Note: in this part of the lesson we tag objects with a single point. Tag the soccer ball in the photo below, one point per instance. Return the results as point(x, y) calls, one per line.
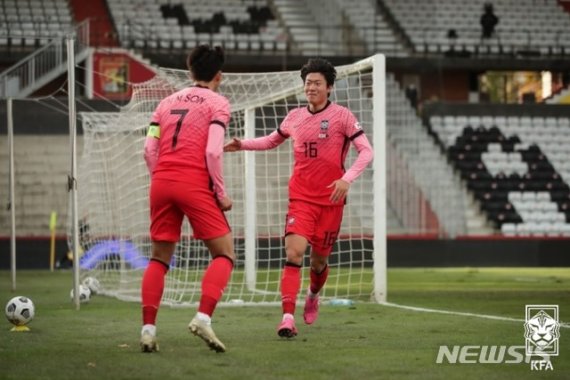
point(93, 284)
point(84, 294)
point(20, 310)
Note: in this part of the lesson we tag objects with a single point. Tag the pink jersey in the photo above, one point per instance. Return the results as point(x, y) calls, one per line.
point(184, 119)
point(320, 143)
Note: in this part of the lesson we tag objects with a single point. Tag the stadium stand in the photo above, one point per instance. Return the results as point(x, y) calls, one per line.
point(28, 23)
point(516, 167)
point(521, 27)
point(306, 28)
point(155, 24)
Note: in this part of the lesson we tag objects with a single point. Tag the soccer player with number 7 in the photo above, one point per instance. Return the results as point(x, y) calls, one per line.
point(321, 132)
point(183, 152)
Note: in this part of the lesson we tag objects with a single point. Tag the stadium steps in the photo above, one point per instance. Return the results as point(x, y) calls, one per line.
point(477, 222)
point(312, 32)
point(373, 26)
point(425, 163)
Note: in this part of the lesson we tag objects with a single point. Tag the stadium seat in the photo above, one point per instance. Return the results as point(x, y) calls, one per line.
point(227, 23)
point(514, 180)
point(427, 24)
point(29, 24)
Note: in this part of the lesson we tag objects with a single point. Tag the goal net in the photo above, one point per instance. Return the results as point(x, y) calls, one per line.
point(113, 183)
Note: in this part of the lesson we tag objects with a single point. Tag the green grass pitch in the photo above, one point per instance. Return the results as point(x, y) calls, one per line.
point(363, 341)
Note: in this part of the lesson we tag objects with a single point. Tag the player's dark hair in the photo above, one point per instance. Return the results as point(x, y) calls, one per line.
point(319, 65)
point(205, 61)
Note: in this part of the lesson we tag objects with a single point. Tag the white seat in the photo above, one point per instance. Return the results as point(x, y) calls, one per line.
point(523, 229)
point(529, 196)
point(474, 121)
point(564, 229)
point(509, 229)
point(494, 147)
point(545, 228)
point(500, 121)
point(515, 196)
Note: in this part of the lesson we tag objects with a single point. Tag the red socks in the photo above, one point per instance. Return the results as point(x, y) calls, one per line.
point(290, 285)
point(152, 289)
point(318, 279)
point(214, 282)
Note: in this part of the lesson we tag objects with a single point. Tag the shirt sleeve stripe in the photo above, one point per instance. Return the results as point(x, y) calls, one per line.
point(281, 133)
point(218, 123)
point(356, 135)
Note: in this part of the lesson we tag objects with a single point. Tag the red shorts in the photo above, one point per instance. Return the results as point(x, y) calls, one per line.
point(320, 225)
point(170, 201)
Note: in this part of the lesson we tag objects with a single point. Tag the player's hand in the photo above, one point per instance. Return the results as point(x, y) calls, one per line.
point(233, 146)
point(340, 190)
point(225, 204)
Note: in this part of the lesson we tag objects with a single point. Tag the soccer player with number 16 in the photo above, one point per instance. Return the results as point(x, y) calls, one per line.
point(321, 133)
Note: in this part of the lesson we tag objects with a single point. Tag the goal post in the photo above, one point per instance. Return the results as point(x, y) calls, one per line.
point(113, 188)
point(250, 203)
point(379, 177)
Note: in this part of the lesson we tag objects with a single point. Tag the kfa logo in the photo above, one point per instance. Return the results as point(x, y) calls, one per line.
point(324, 133)
point(542, 334)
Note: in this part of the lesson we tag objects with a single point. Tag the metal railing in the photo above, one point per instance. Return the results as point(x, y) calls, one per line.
point(43, 65)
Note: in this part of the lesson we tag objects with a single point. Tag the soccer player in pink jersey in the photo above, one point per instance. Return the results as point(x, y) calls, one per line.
point(321, 132)
point(183, 152)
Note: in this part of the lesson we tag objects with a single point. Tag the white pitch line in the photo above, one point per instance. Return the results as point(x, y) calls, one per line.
point(463, 314)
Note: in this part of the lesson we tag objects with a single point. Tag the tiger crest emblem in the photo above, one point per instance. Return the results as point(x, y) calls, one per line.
point(542, 331)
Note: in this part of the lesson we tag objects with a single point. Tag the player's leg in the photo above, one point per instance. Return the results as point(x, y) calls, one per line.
point(214, 282)
point(151, 292)
point(218, 272)
point(210, 225)
point(295, 247)
point(166, 220)
point(299, 224)
point(318, 274)
point(323, 242)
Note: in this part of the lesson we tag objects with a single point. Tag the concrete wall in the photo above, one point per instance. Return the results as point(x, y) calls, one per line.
point(42, 164)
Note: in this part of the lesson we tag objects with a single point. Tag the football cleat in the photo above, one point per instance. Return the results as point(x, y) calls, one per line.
point(148, 342)
point(204, 331)
point(287, 329)
point(311, 311)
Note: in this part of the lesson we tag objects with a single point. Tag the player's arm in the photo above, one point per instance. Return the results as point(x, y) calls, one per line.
point(365, 156)
point(270, 141)
point(214, 162)
point(151, 145)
